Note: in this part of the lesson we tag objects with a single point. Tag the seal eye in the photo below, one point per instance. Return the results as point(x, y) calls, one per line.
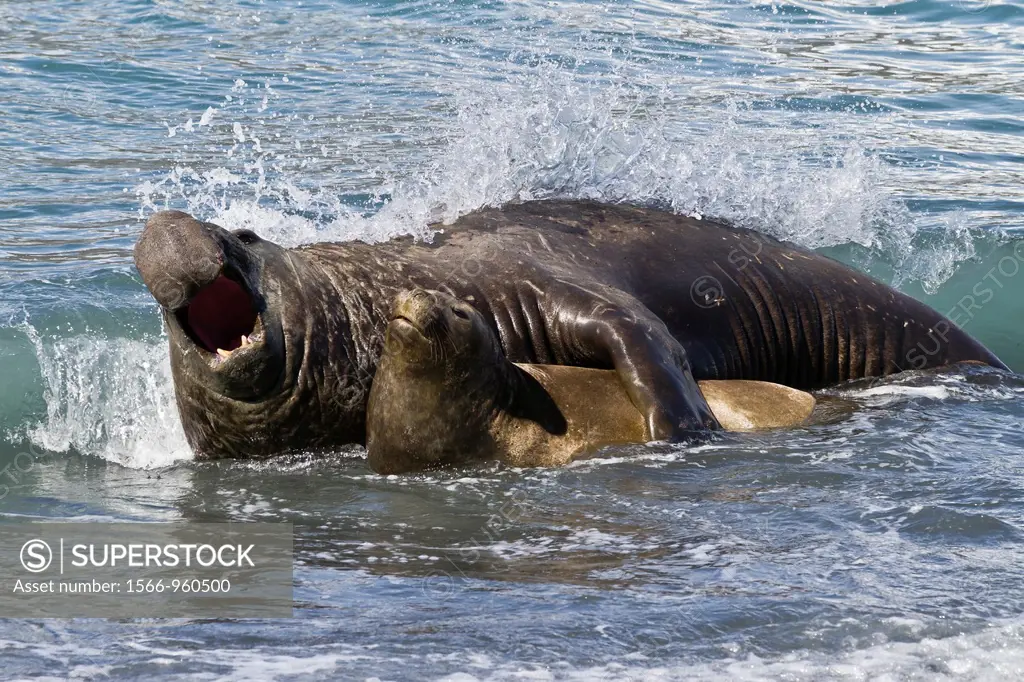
point(460, 313)
point(247, 236)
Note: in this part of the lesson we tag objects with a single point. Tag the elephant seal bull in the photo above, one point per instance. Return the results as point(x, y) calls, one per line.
point(274, 349)
point(445, 394)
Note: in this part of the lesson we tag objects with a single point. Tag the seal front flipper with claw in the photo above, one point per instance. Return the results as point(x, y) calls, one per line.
point(607, 327)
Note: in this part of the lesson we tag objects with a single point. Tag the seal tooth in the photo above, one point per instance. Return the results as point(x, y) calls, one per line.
point(223, 353)
point(245, 341)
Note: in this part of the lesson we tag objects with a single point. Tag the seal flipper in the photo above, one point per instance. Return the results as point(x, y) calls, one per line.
point(606, 326)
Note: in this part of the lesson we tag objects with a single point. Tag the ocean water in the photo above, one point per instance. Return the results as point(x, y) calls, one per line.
point(883, 545)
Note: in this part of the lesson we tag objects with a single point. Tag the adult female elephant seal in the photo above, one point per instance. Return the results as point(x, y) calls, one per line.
point(273, 349)
point(445, 394)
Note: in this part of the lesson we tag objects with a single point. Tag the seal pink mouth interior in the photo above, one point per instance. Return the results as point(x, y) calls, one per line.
point(220, 314)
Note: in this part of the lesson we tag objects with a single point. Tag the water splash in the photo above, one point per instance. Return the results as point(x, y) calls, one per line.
point(551, 133)
point(111, 398)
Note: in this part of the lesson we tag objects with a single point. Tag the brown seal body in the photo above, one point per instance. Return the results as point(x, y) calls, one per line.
point(275, 349)
point(445, 394)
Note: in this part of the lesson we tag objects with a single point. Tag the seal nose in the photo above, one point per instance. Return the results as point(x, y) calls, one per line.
point(177, 256)
point(418, 306)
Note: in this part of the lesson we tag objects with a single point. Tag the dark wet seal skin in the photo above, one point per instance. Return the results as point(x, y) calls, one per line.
point(445, 395)
point(662, 299)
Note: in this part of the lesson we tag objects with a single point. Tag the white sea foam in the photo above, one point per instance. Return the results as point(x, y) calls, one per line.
point(933, 392)
point(588, 540)
point(994, 654)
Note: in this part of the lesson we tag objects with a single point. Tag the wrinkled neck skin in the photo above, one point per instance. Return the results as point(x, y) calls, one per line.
point(322, 335)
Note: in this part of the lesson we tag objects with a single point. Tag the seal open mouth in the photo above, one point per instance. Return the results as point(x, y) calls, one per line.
point(221, 317)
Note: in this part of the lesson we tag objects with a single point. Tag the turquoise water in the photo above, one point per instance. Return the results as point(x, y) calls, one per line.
point(887, 543)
